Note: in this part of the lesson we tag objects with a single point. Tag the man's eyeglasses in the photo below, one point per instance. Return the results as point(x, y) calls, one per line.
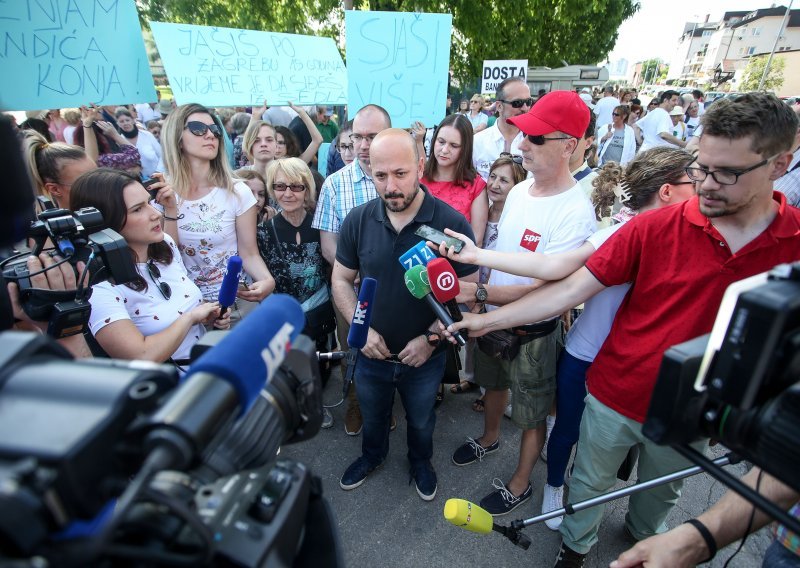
point(516, 158)
point(200, 128)
point(518, 103)
point(358, 138)
point(155, 274)
point(294, 187)
point(540, 140)
point(345, 147)
point(722, 177)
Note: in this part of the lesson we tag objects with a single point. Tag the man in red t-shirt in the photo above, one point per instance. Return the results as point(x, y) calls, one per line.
point(679, 260)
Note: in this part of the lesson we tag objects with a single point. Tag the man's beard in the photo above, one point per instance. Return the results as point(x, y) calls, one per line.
point(404, 204)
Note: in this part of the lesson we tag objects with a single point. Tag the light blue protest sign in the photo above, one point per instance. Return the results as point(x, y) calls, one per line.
point(58, 53)
point(228, 67)
point(400, 61)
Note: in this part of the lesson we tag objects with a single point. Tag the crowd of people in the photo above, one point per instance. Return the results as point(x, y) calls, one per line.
point(566, 199)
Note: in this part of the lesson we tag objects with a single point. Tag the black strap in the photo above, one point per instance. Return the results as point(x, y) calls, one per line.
point(711, 544)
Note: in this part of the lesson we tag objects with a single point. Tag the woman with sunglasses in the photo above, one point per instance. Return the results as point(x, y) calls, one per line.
point(618, 140)
point(291, 248)
point(212, 216)
point(160, 315)
point(451, 176)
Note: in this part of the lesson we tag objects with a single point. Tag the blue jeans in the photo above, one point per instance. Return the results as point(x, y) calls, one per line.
point(376, 382)
point(778, 556)
point(571, 390)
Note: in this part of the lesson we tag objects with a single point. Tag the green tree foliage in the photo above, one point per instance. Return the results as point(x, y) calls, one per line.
point(755, 69)
point(544, 32)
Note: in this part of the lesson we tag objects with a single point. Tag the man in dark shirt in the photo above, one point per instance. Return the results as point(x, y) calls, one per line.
point(403, 328)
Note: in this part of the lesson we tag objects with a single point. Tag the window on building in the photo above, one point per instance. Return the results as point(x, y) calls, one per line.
point(756, 31)
point(707, 33)
point(751, 50)
point(741, 51)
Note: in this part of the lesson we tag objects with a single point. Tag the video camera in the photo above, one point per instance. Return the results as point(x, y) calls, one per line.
point(77, 236)
point(740, 384)
point(114, 463)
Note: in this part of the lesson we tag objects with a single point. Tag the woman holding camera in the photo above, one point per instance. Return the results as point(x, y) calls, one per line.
point(213, 217)
point(158, 316)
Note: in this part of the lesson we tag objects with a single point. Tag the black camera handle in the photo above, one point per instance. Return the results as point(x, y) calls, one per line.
point(758, 500)
point(513, 531)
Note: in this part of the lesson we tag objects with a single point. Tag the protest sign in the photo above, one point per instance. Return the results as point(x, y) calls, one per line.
point(496, 71)
point(400, 61)
point(57, 54)
point(229, 67)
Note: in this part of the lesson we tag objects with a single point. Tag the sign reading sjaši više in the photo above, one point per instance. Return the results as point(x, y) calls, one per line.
point(57, 54)
point(229, 67)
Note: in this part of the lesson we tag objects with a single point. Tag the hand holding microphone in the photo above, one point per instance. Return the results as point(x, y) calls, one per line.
point(416, 279)
point(230, 282)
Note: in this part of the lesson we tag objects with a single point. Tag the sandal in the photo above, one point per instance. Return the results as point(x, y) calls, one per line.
point(478, 405)
point(462, 387)
point(439, 396)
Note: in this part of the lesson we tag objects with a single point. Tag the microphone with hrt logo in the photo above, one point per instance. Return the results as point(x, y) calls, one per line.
point(359, 329)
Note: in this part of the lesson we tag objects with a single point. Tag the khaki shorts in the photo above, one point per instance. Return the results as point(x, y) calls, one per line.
point(531, 376)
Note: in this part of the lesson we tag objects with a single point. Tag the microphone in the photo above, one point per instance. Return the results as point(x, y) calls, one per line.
point(331, 355)
point(416, 255)
point(444, 285)
point(468, 516)
point(226, 380)
point(359, 329)
point(227, 291)
point(416, 279)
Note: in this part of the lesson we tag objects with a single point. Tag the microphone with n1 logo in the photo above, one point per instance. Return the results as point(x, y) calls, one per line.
point(417, 255)
point(359, 328)
point(230, 282)
point(444, 285)
point(416, 279)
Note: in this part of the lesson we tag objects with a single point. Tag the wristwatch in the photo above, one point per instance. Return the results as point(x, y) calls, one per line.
point(432, 337)
point(481, 294)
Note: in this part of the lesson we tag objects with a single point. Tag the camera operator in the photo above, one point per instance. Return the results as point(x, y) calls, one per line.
point(44, 277)
point(726, 521)
point(680, 261)
point(160, 315)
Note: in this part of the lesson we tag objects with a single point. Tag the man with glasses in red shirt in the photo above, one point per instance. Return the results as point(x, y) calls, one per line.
point(513, 98)
point(680, 260)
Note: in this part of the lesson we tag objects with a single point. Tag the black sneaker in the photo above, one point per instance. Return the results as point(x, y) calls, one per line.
point(425, 478)
point(357, 473)
point(472, 451)
point(568, 558)
point(503, 501)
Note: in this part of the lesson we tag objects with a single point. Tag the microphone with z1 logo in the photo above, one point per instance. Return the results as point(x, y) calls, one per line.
point(417, 255)
point(444, 285)
point(359, 328)
point(416, 280)
point(230, 282)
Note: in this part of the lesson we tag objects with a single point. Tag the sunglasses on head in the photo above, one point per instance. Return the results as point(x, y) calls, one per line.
point(516, 158)
point(519, 103)
point(200, 128)
point(540, 140)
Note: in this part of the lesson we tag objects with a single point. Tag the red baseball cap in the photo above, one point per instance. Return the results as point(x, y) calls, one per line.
point(564, 111)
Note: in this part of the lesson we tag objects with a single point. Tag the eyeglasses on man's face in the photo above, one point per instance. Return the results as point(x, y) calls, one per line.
point(723, 176)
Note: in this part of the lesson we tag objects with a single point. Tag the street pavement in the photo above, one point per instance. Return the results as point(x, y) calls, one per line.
point(385, 523)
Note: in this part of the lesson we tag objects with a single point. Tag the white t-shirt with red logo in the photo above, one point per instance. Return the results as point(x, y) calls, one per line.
point(552, 224)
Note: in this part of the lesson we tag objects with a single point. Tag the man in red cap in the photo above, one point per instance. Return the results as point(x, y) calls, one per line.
point(549, 214)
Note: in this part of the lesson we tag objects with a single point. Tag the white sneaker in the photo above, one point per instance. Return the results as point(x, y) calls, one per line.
point(551, 422)
point(552, 499)
point(507, 411)
point(327, 418)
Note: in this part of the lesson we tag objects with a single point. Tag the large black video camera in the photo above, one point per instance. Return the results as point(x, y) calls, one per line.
point(77, 436)
point(76, 236)
point(740, 384)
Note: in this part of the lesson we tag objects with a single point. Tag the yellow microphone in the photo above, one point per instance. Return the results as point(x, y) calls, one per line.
point(468, 516)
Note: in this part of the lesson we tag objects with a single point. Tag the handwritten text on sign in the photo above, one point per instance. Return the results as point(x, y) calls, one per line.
point(227, 67)
point(400, 61)
point(66, 53)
